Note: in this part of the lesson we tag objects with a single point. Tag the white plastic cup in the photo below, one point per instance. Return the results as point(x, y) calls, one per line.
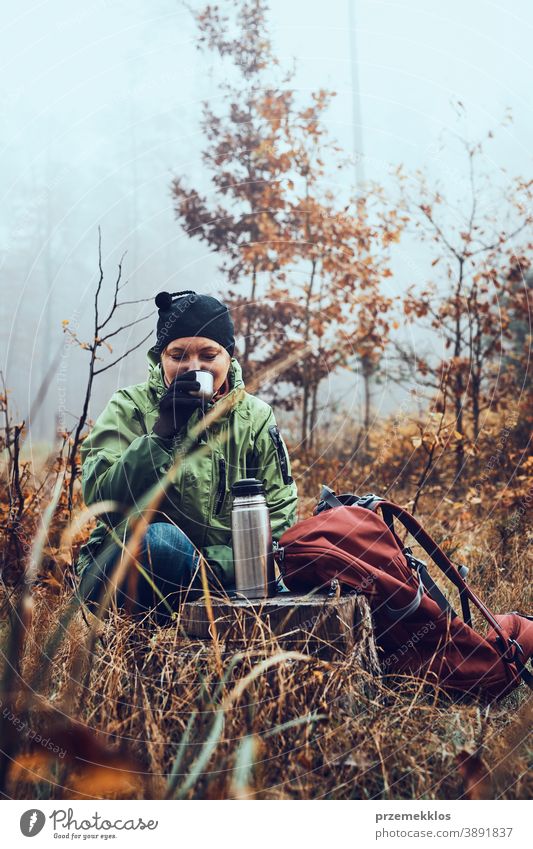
point(205, 379)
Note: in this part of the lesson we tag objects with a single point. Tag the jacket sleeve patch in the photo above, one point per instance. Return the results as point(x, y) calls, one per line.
point(282, 455)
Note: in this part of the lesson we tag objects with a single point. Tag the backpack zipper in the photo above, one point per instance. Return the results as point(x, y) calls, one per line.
point(340, 556)
point(221, 492)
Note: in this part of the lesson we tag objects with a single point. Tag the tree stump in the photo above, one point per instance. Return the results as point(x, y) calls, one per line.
point(327, 626)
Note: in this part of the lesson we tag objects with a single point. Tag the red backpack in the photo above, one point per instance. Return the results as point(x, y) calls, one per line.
point(415, 625)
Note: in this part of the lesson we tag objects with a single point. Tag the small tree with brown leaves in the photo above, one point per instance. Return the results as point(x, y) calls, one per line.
point(480, 251)
point(274, 221)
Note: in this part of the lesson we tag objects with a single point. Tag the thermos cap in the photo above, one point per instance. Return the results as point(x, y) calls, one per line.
point(247, 486)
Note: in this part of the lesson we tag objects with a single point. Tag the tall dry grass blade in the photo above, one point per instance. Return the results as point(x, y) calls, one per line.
point(245, 761)
point(32, 567)
point(54, 642)
point(79, 520)
point(210, 616)
point(180, 754)
point(308, 719)
point(12, 683)
point(22, 615)
point(198, 766)
point(148, 503)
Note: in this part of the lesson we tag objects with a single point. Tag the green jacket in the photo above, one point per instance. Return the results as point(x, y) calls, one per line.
point(122, 458)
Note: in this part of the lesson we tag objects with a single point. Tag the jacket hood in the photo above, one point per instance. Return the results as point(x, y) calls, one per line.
point(156, 381)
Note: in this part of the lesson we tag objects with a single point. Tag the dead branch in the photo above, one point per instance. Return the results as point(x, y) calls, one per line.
point(97, 341)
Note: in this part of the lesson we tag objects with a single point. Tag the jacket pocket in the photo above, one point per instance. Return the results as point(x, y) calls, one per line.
point(282, 456)
point(221, 489)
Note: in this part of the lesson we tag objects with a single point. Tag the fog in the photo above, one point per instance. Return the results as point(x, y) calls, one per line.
point(101, 103)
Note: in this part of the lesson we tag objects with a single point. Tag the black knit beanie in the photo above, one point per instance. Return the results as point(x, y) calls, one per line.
point(188, 313)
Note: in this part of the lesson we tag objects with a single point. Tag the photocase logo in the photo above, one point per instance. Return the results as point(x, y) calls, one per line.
point(32, 822)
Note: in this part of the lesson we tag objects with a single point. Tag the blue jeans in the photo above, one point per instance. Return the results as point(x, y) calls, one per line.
point(168, 557)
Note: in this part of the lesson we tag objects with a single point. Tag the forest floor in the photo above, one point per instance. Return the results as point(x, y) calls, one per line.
point(142, 711)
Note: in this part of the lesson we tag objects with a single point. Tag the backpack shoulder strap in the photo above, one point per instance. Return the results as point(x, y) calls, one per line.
point(438, 556)
point(510, 649)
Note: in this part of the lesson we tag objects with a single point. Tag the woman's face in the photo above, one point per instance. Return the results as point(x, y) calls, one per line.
point(196, 353)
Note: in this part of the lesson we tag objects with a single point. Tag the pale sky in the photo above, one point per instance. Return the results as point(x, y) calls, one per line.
point(100, 106)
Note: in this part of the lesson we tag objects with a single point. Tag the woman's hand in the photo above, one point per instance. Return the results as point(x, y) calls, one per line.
point(177, 405)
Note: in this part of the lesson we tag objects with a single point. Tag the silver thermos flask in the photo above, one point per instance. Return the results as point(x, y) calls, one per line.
point(251, 531)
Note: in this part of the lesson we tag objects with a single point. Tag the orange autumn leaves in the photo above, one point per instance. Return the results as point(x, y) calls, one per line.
point(87, 767)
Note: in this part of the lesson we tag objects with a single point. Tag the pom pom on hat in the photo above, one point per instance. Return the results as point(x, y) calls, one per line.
point(163, 301)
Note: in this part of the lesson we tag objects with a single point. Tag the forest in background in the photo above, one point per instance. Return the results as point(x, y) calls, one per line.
point(311, 290)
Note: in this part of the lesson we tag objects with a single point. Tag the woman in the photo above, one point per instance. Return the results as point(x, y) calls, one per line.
point(135, 441)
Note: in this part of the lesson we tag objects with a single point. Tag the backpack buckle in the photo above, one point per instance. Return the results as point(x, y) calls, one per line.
point(516, 649)
point(370, 501)
point(463, 571)
point(414, 562)
point(334, 588)
point(328, 499)
point(279, 552)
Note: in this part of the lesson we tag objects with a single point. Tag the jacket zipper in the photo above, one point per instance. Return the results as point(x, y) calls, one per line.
point(221, 493)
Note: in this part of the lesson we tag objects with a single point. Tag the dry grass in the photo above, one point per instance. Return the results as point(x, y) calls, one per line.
point(292, 727)
point(145, 712)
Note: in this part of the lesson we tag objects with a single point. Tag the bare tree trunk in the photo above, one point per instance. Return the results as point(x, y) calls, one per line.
point(368, 398)
point(477, 373)
point(246, 354)
point(312, 428)
point(458, 381)
point(305, 376)
point(11, 444)
point(367, 370)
